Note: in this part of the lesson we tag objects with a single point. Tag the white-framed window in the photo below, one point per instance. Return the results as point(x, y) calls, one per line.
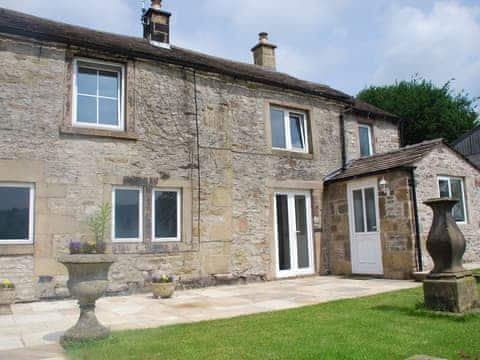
point(16, 213)
point(366, 143)
point(453, 187)
point(127, 214)
point(166, 215)
point(289, 129)
point(98, 94)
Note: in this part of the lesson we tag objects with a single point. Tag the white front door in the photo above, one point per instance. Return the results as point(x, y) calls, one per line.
point(365, 243)
point(293, 233)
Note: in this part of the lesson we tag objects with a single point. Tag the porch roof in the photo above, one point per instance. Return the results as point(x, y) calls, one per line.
point(405, 157)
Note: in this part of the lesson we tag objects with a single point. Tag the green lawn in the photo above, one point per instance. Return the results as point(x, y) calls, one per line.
point(388, 326)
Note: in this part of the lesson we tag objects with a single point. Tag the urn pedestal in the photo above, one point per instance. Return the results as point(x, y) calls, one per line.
point(87, 282)
point(449, 287)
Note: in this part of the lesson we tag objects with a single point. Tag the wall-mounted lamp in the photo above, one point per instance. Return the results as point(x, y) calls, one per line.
point(384, 186)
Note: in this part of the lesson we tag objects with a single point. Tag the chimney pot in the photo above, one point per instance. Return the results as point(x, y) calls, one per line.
point(156, 4)
point(263, 37)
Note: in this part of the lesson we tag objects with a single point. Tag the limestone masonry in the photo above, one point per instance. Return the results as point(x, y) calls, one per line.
point(209, 135)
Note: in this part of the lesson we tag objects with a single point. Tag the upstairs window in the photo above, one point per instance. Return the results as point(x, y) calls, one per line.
point(453, 188)
point(16, 213)
point(289, 130)
point(98, 96)
point(366, 144)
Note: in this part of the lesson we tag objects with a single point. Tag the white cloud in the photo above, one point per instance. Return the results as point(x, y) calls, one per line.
point(439, 44)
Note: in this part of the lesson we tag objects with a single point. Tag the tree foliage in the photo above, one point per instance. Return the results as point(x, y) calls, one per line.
point(427, 111)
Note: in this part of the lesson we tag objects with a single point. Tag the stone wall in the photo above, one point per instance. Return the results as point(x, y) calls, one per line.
point(396, 227)
point(19, 270)
point(386, 136)
point(228, 224)
point(443, 161)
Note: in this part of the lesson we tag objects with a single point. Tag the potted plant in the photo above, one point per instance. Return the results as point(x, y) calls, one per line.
point(163, 286)
point(88, 267)
point(7, 297)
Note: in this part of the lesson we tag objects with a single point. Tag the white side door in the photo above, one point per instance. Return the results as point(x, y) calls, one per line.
point(365, 242)
point(293, 234)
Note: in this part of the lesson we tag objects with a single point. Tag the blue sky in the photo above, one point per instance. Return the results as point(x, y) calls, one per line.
point(347, 44)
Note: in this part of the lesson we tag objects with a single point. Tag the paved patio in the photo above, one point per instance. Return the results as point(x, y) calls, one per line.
point(34, 329)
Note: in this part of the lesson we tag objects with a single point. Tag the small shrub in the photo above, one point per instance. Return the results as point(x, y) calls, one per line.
point(98, 224)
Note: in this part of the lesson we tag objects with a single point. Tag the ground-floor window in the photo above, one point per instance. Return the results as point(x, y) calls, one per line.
point(454, 188)
point(16, 213)
point(127, 214)
point(166, 215)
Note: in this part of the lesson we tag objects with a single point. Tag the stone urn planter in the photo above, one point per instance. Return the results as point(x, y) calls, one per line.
point(163, 290)
point(449, 287)
point(88, 281)
point(7, 298)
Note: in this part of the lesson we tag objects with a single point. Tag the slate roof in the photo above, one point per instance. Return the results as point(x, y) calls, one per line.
point(466, 135)
point(404, 157)
point(17, 23)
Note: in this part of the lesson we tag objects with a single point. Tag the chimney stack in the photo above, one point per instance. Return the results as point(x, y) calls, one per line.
point(156, 25)
point(264, 52)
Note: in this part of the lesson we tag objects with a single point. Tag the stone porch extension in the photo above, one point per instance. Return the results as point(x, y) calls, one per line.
point(34, 329)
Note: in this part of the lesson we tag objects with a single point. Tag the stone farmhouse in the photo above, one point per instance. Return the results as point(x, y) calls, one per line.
point(216, 171)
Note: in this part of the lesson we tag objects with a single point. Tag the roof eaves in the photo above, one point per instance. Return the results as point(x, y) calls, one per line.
point(370, 173)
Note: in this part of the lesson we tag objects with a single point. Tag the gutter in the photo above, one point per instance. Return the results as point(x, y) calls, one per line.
point(418, 246)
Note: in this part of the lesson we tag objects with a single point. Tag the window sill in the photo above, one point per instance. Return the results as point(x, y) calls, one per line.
point(123, 135)
point(292, 154)
point(16, 249)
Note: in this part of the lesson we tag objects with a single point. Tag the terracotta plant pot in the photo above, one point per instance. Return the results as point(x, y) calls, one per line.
point(88, 281)
point(7, 298)
point(163, 290)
